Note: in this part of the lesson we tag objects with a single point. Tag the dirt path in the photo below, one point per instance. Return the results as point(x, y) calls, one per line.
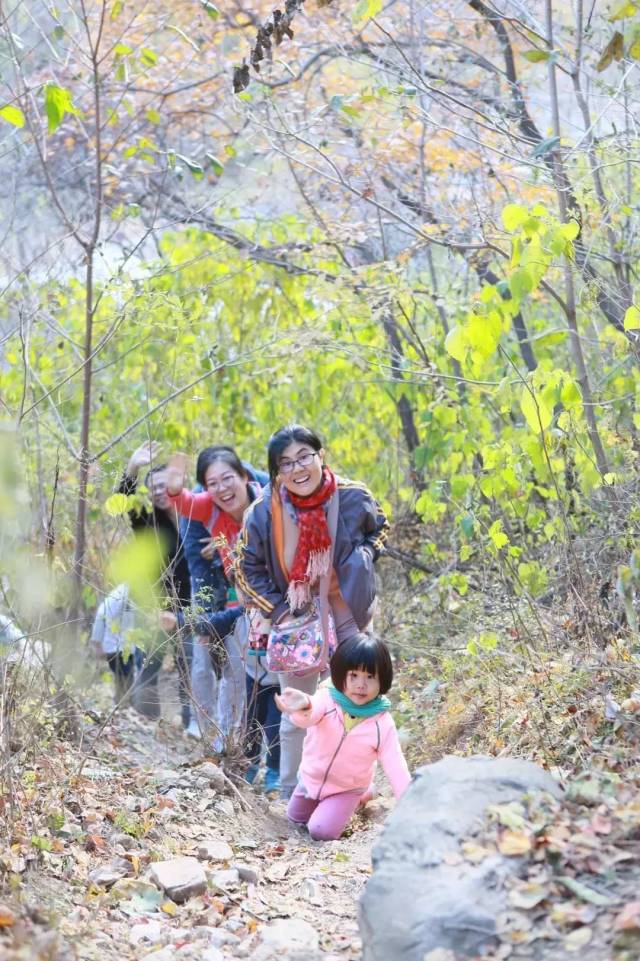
point(77, 868)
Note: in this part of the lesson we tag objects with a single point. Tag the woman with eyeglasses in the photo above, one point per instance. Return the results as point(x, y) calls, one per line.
point(286, 548)
point(229, 488)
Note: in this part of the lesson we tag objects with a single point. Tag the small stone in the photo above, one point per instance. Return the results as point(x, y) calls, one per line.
point(68, 831)
point(246, 873)
point(211, 954)
point(219, 937)
point(212, 850)
point(213, 775)
point(165, 954)
point(180, 878)
point(224, 806)
point(152, 932)
point(290, 934)
point(107, 875)
point(233, 924)
point(226, 878)
point(124, 840)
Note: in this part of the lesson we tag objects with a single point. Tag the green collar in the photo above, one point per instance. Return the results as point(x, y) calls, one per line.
point(377, 706)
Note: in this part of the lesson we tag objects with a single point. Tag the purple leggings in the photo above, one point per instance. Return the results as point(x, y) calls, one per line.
point(326, 819)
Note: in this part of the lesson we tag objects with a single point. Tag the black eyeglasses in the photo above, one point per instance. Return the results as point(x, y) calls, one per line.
point(286, 466)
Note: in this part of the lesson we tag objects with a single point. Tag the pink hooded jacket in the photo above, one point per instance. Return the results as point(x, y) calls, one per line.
point(334, 760)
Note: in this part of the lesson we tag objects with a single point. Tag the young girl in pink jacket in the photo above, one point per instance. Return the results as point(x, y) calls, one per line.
point(349, 729)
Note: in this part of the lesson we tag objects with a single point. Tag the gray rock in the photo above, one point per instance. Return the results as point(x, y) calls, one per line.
point(246, 873)
point(107, 874)
point(124, 840)
point(151, 931)
point(212, 850)
point(288, 937)
point(180, 878)
point(415, 902)
point(224, 806)
point(224, 879)
point(212, 774)
point(219, 937)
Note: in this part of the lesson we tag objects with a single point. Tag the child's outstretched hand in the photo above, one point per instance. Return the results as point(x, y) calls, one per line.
point(291, 700)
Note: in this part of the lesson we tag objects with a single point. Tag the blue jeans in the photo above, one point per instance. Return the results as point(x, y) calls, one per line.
point(263, 717)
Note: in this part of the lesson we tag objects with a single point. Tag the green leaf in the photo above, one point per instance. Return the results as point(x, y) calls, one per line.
point(456, 343)
point(497, 534)
point(12, 115)
point(472, 648)
point(536, 56)
point(365, 9)
point(623, 9)
point(57, 104)
point(467, 525)
point(586, 893)
point(116, 9)
point(513, 216)
point(210, 9)
point(545, 147)
point(536, 413)
point(191, 165)
point(632, 318)
point(570, 395)
point(116, 504)
point(488, 640)
point(148, 57)
point(520, 283)
point(218, 168)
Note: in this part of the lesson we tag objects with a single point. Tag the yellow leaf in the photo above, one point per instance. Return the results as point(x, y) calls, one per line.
point(475, 852)
point(168, 907)
point(514, 843)
point(578, 939)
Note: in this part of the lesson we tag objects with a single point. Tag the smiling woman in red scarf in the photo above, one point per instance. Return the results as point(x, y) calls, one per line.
point(286, 548)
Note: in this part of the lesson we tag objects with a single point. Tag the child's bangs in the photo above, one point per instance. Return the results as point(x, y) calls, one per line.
point(363, 657)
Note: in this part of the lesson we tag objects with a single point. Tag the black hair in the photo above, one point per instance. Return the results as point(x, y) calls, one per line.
point(280, 440)
point(222, 452)
point(154, 470)
point(362, 652)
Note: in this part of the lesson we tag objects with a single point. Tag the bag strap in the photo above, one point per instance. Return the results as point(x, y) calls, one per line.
point(332, 524)
point(325, 580)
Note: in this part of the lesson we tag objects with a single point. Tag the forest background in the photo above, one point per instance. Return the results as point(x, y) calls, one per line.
point(411, 225)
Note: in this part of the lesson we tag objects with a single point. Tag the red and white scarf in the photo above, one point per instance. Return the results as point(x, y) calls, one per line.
point(313, 553)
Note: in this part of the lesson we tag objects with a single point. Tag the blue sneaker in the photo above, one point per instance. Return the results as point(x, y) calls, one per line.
point(271, 780)
point(251, 773)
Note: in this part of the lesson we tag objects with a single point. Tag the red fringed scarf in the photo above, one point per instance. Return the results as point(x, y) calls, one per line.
point(313, 553)
point(225, 534)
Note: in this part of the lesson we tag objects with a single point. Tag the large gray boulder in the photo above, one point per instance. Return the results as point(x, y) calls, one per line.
point(415, 901)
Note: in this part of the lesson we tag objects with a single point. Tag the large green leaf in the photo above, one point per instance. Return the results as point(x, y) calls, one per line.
point(12, 115)
point(537, 414)
point(57, 104)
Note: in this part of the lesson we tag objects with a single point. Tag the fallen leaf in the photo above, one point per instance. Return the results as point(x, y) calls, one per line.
point(571, 913)
point(514, 843)
point(527, 896)
point(629, 917)
point(586, 893)
point(578, 939)
point(509, 815)
point(7, 917)
point(475, 852)
point(168, 907)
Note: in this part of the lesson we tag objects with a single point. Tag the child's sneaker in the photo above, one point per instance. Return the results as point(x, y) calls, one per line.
point(271, 780)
